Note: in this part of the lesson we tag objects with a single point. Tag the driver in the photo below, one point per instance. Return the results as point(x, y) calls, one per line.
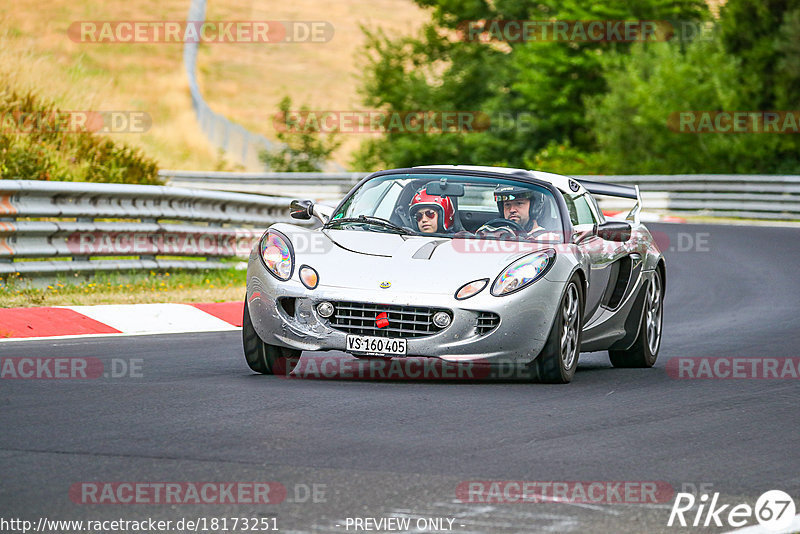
point(433, 214)
point(519, 205)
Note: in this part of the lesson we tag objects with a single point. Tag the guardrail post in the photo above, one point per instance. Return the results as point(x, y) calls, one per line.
point(77, 219)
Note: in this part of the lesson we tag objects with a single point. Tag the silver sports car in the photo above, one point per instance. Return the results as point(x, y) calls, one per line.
point(465, 264)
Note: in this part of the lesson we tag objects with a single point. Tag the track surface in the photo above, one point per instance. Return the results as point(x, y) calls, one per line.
point(400, 448)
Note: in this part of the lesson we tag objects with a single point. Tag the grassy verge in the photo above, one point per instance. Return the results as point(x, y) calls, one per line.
point(219, 285)
point(244, 81)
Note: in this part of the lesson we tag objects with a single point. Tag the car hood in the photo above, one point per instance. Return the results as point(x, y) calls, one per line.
point(359, 259)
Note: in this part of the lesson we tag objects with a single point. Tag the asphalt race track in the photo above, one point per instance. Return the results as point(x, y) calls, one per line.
point(354, 448)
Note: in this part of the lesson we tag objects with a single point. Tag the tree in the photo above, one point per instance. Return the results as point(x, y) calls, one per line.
point(551, 81)
point(725, 70)
point(764, 35)
point(303, 147)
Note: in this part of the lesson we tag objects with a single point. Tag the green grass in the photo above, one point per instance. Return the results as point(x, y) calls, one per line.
point(212, 285)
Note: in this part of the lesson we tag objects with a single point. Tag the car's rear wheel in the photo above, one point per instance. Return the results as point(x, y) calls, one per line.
point(262, 357)
point(644, 351)
point(559, 358)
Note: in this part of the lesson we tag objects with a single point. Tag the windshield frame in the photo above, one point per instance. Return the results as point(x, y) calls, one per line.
point(520, 176)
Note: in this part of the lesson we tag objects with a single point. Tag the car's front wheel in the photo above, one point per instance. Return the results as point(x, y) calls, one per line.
point(559, 358)
point(644, 351)
point(262, 357)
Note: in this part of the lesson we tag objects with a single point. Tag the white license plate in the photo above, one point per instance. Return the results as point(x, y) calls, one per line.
point(379, 346)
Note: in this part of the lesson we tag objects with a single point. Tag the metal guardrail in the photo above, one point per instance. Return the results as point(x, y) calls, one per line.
point(74, 225)
point(320, 186)
point(235, 139)
point(90, 227)
point(223, 133)
point(714, 195)
point(771, 197)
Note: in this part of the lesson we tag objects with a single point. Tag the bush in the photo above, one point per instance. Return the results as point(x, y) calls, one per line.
point(49, 154)
point(635, 122)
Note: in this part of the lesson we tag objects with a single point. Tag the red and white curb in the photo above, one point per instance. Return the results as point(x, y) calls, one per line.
point(118, 319)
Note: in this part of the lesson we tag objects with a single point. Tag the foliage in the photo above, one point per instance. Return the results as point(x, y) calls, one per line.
point(44, 150)
point(763, 34)
point(551, 81)
point(303, 146)
point(636, 122)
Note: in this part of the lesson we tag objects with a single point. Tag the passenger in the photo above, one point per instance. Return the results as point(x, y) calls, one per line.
point(434, 214)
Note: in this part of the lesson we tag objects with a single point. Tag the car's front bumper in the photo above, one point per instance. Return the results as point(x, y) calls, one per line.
point(526, 318)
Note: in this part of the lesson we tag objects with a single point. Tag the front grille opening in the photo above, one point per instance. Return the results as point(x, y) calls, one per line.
point(403, 321)
point(288, 305)
point(487, 321)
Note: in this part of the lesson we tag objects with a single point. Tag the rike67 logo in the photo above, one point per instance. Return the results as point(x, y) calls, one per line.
point(774, 510)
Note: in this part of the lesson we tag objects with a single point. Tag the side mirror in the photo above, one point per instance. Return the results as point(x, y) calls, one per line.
point(301, 209)
point(614, 231)
point(306, 209)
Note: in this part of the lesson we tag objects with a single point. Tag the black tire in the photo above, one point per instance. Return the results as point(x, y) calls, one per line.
point(262, 357)
point(558, 360)
point(644, 351)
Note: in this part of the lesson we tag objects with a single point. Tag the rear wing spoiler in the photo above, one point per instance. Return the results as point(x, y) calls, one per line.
point(615, 190)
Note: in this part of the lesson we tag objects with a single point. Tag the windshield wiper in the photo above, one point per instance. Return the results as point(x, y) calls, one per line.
point(376, 221)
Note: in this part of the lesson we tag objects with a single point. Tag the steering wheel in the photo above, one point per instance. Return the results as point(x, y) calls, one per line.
point(511, 226)
point(405, 220)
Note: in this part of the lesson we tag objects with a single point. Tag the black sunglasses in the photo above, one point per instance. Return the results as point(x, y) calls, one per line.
point(427, 213)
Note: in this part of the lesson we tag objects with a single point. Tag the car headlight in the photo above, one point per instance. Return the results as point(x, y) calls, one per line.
point(523, 272)
point(471, 288)
point(308, 276)
point(278, 255)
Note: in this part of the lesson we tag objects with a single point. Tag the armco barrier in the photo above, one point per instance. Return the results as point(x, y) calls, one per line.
point(713, 195)
point(770, 197)
point(72, 226)
point(236, 140)
point(323, 186)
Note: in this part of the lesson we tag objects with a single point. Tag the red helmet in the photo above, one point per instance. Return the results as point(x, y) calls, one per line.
point(442, 205)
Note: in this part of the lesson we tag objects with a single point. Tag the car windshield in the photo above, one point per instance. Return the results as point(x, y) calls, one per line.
point(446, 205)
